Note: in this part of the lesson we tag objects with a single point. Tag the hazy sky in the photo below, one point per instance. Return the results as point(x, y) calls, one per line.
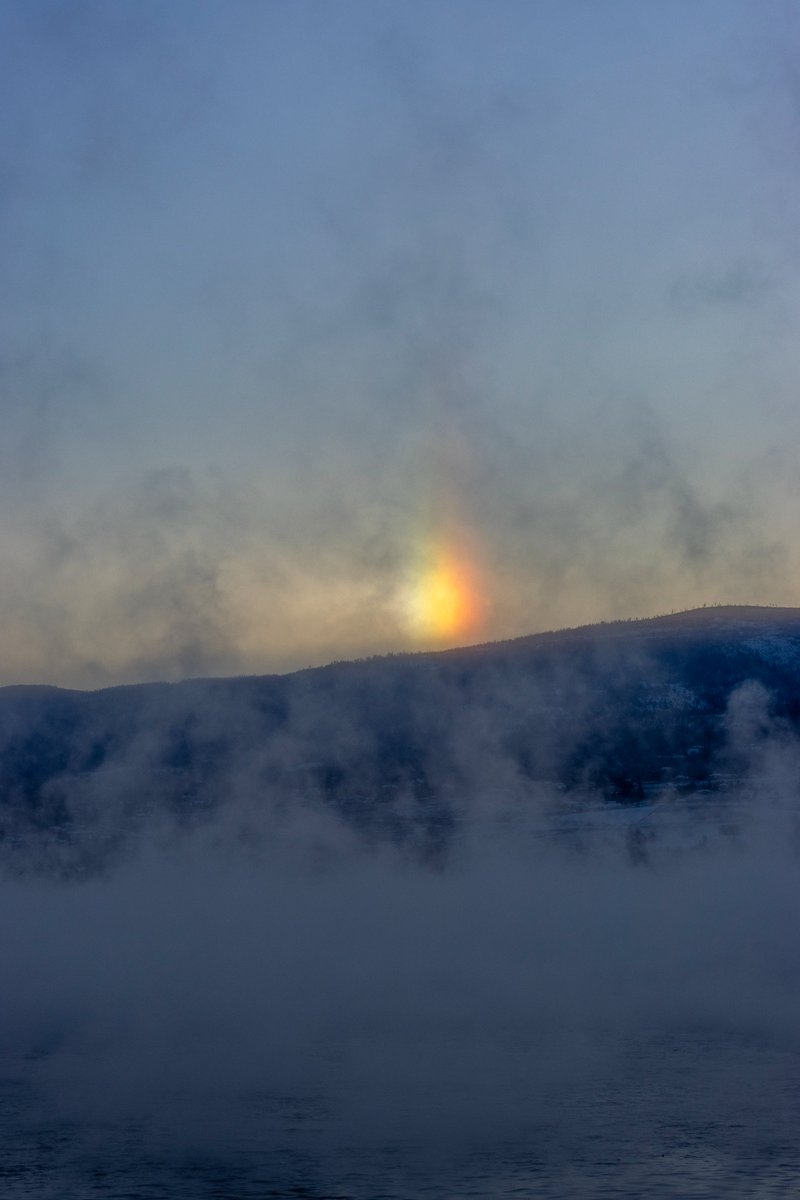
point(305, 303)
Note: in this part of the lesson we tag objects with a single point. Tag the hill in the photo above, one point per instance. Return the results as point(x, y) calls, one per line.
point(399, 748)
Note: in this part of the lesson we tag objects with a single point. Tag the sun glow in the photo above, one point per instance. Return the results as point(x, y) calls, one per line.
point(444, 602)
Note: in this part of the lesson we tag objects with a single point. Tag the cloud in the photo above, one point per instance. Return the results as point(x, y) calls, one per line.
point(182, 572)
point(741, 283)
point(374, 278)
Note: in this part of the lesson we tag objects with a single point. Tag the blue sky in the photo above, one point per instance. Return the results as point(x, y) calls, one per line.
point(288, 285)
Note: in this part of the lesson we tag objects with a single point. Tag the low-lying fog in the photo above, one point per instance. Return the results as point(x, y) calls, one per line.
point(442, 1008)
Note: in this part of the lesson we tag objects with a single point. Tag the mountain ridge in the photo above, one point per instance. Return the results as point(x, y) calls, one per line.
point(702, 618)
point(397, 748)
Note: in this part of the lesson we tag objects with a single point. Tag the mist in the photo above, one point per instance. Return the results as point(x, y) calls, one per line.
point(347, 349)
point(272, 990)
point(433, 1010)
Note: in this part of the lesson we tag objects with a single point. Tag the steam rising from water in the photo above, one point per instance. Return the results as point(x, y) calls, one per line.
point(580, 995)
point(434, 1008)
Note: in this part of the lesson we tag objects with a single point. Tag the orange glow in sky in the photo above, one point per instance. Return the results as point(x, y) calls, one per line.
point(444, 603)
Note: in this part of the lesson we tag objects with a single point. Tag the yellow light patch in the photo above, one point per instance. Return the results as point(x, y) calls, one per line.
point(444, 602)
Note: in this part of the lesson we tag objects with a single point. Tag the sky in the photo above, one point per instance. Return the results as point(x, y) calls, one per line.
point(334, 329)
